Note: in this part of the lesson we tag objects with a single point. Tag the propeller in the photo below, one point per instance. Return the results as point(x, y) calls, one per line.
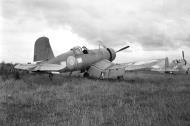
point(184, 57)
point(101, 43)
point(122, 49)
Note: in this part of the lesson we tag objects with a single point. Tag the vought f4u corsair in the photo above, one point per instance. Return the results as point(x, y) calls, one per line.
point(89, 62)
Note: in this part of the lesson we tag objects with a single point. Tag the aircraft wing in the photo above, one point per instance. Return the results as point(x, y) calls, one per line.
point(25, 66)
point(159, 65)
point(41, 67)
point(107, 69)
point(152, 65)
point(98, 68)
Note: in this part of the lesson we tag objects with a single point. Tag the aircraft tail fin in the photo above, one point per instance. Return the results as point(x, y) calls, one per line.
point(166, 62)
point(42, 49)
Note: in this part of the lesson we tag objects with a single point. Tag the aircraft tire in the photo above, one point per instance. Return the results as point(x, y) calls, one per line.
point(86, 75)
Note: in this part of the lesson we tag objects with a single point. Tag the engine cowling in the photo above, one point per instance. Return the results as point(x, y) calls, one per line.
point(112, 54)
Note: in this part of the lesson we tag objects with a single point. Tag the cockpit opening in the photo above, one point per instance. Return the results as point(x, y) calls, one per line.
point(84, 50)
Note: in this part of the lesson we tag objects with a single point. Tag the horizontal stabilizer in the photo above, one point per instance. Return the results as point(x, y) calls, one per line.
point(151, 65)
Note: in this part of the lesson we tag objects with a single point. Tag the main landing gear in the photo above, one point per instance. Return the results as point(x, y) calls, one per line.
point(51, 76)
point(187, 72)
point(86, 75)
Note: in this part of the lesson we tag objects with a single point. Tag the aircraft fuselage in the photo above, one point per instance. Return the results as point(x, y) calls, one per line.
point(80, 61)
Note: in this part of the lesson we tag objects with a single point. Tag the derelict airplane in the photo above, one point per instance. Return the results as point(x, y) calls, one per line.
point(96, 63)
point(77, 59)
point(178, 65)
point(161, 65)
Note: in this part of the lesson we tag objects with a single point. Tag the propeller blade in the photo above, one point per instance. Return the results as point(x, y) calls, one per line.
point(183, 55)
point(122, 49)
point(184, 58)
point(101, 43)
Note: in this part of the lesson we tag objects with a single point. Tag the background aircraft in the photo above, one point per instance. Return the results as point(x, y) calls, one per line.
point(179, 66)
point(161, 65)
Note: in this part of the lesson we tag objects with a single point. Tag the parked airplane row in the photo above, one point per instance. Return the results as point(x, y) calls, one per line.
point(96, 63)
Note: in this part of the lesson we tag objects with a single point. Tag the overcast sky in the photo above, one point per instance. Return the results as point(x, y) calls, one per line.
point(153, 28)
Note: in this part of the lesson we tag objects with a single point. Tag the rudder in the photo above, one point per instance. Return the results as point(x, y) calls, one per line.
point(166, 63)
point(42, 49)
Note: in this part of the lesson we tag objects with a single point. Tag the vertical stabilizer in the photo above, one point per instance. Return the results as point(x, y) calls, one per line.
point(166, 63)
point(42, 49)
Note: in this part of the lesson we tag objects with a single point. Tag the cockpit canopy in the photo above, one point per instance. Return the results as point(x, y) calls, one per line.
point(78, 50)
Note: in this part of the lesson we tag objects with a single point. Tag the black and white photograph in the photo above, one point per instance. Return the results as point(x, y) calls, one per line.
point(94, 63)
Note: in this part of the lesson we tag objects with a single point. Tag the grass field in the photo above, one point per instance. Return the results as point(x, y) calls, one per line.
point(141, 100)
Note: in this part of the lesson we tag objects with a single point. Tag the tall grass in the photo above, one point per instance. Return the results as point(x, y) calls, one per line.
point(142, 99)
point(7, 71)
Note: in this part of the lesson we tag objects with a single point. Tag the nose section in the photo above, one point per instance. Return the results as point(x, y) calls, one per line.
point(112, 53)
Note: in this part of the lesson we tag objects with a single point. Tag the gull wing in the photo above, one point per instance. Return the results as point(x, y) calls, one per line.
point(119, 70)
point(41, 67)
point(98, 68)
point(107, 69)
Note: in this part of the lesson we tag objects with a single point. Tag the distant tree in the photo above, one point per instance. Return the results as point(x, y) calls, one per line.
point(7, 70)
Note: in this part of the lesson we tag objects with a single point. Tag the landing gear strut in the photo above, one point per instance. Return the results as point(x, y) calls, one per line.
point(50, 76)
